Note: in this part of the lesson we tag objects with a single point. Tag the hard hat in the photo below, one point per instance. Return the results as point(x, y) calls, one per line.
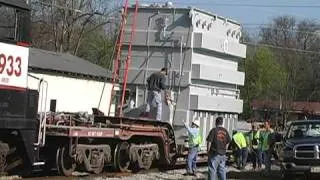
point(196, 122)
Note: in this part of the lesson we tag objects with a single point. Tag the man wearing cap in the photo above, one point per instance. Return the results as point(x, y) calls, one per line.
point(194, 142)
point(156, 83)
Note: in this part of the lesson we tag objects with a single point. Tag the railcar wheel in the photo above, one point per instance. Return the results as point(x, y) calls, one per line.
point(122, 157)
point(65, 164)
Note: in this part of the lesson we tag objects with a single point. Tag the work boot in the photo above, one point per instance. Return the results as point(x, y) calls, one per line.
point(188, 174)
point(145, 115)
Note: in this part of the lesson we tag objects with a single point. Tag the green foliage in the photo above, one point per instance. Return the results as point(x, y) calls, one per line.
point(289, 70)
point(265, 78)
point(98, 49)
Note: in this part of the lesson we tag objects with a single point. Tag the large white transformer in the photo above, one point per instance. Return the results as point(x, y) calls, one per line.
point(201, 51)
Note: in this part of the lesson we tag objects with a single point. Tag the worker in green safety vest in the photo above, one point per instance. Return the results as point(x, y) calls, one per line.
point(253, 145)
point(241, 149)
point(267, 142)
point(195, 141)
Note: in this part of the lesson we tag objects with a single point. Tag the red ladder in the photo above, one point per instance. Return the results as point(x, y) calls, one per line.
point(128, 59)
point(117, 63)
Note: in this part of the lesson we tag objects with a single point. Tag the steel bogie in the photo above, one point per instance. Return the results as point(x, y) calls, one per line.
point(93, 157)
point(132, 156)
point(144, 154)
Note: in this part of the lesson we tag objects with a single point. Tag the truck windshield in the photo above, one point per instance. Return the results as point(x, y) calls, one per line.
point(300, 130)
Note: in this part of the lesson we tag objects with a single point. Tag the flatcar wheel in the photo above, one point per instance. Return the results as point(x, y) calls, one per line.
point(121, 157)
point(65, 164)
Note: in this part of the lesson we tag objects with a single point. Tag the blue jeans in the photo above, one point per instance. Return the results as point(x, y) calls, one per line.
point(256, 157)
point(154, 100)
point(192, 160)
point(267, 159)
point(242, 156)
point(217, 166)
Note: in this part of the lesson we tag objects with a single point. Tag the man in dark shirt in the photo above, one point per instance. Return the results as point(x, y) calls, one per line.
point(217, 143)
point(156, 83)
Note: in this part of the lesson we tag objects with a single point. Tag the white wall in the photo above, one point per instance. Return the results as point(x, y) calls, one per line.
point(214, 61)
point(217, 74)
point(73, 94)
point(216, 103)
point(216, 26)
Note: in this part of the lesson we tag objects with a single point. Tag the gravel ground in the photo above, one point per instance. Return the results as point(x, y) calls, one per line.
point(176, 174)
point(201, 175)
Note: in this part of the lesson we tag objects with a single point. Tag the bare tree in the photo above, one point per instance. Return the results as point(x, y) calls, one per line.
point(301, 66)
point(61, 25)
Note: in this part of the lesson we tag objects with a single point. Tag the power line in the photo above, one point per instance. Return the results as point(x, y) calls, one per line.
point(282, 48)
point(240, 4)
point(268, 5)
point(288, 30)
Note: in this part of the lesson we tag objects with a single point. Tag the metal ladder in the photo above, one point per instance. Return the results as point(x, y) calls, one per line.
point(117, 63)
point(43, 92)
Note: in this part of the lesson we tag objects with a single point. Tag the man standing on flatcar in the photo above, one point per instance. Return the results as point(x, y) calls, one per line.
point(156, 84)
point(217, 144)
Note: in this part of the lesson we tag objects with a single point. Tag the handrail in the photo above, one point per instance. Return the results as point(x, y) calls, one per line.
point(43, 84)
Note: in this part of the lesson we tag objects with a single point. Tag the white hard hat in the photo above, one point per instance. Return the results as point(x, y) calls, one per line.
point(196, 122)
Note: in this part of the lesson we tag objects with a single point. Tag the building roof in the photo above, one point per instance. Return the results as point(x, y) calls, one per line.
point(65, 63)
point(16, 3)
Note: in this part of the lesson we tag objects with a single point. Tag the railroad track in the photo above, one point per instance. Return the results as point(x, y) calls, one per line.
point(155, 173)
point(177, 171)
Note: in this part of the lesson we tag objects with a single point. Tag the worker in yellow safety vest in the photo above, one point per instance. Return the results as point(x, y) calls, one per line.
point(267, 142)
point(253, 146)
point(241, 149)
point(194, 143)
